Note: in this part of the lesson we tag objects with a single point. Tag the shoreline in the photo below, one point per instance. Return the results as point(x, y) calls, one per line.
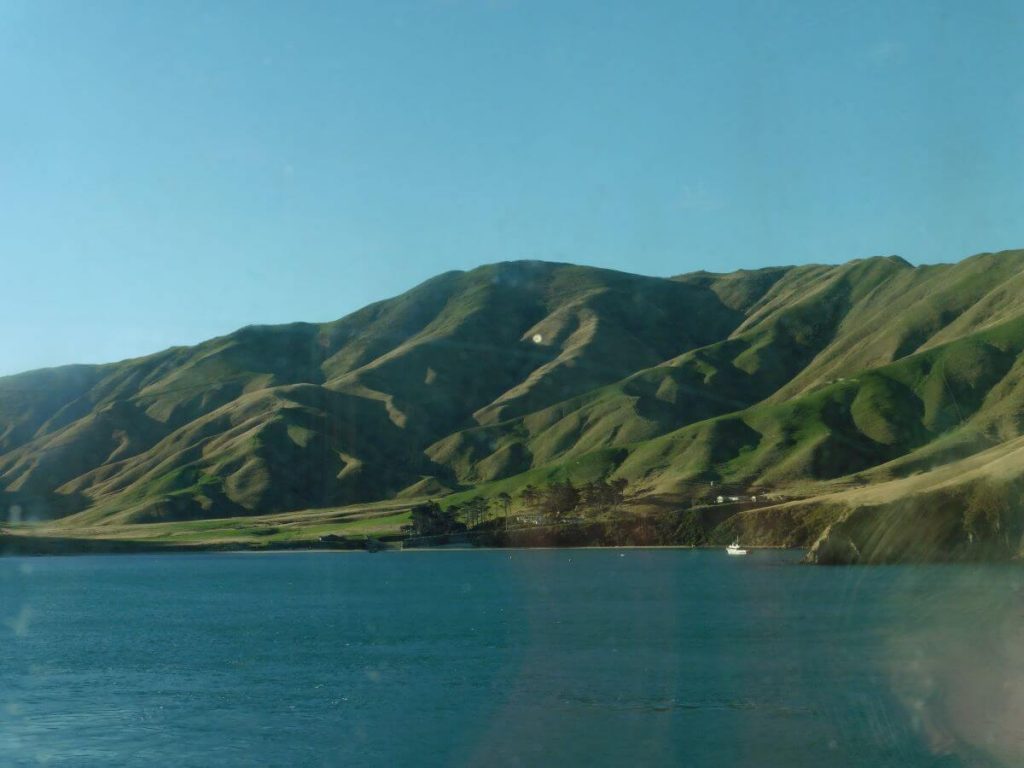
point(33, 547)
point(42, 546)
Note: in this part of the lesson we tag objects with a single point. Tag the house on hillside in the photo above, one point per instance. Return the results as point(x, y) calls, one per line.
point(534, 519)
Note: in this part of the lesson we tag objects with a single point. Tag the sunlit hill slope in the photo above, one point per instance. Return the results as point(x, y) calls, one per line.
point(875, 402)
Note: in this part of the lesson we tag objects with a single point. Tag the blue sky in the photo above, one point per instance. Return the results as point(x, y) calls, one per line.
point(172, 171)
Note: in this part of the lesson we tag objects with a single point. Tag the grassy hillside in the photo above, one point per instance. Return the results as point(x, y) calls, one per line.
point(796, 383)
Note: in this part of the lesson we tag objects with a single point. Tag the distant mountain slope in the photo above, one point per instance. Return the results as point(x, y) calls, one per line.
point(270, 418)
point(803, 380)
point(815, 325)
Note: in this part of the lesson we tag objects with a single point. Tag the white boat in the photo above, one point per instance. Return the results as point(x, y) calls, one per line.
point(734, 549)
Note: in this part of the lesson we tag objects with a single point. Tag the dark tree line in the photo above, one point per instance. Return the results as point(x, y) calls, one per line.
point(429, 519)
point(560, 499)
point(555, 502)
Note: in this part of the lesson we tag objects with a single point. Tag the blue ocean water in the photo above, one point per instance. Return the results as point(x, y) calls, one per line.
point(570, 657)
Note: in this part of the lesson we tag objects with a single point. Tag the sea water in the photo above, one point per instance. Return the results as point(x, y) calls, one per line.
point(507, 657)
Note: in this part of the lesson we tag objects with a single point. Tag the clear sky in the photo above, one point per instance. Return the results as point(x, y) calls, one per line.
point(170, 171)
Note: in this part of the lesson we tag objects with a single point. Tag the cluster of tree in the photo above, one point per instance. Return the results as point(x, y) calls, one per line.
point(555, 502)
point(560, 499)
point(429, 519)
point(473, 511)
point(476, 510)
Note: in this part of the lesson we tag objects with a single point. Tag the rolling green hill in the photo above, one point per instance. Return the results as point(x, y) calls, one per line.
point(855, 401)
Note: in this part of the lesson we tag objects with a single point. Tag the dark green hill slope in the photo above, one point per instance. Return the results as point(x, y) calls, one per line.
point(815, 326)
point(797, 381)
point(226, 426)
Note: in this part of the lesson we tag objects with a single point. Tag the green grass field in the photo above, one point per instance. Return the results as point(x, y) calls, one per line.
point(366, 520)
